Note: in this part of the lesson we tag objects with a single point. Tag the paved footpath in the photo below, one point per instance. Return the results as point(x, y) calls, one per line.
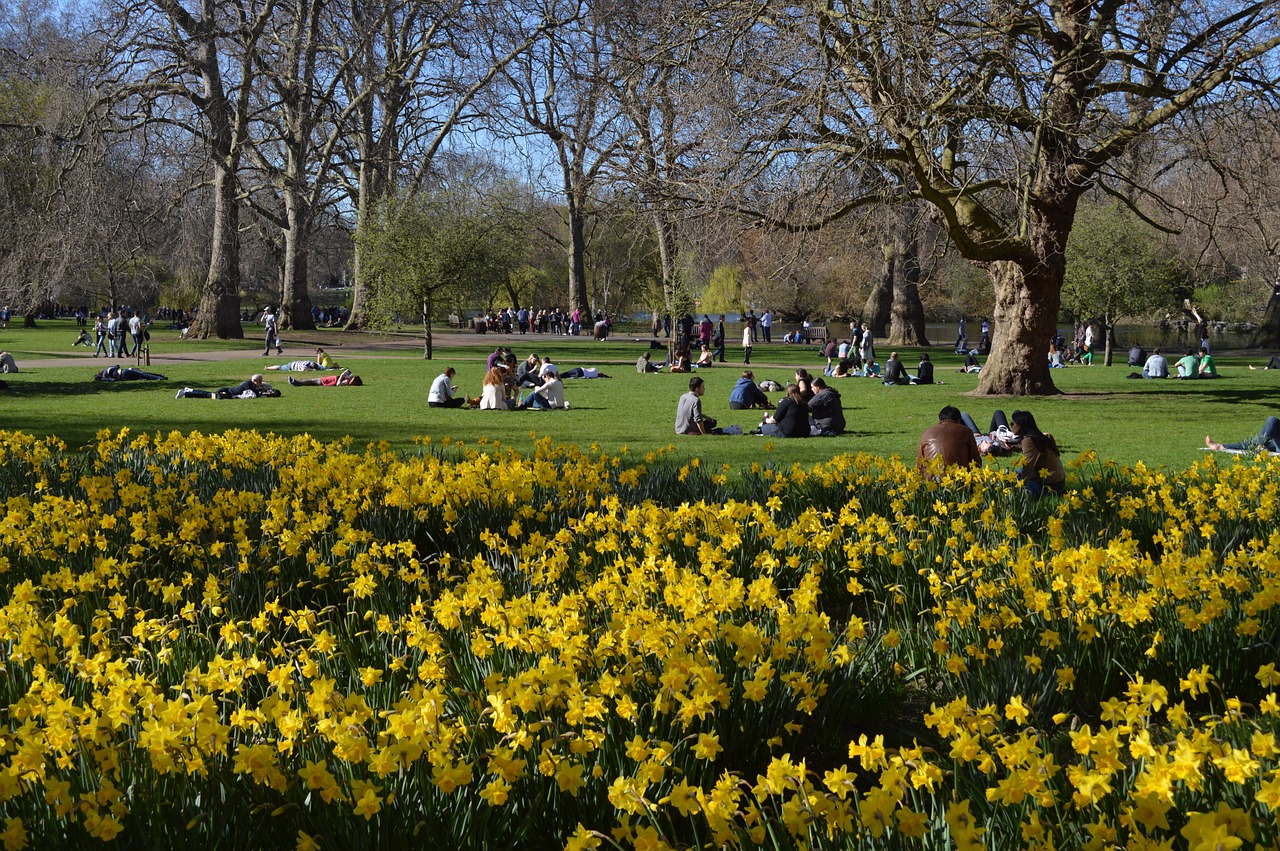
point(342, 346)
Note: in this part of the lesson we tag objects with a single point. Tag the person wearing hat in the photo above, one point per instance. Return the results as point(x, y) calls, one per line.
point(272, 331)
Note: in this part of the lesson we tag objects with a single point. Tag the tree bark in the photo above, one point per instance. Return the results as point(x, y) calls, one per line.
point(427, 341)
point(880, 302)
point(219, 313)
point(906, 318)
point(577, 222)
point(295, 296)
point(1268, 334)
point(1026, 314)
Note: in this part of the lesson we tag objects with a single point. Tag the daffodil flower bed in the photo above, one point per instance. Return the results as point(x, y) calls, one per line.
point(246, 641)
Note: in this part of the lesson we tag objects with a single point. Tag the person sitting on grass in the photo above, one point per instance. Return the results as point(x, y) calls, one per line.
point(682, 362)
point(971, 364)
point(82, 340)
point(254, 388)
point(924, 372)
point(493, 390)
point(825, 410)
point(1208, 366)
point(894, 371)
point(950, 440)
point(790, 418)
point(126, 373)
point(1157, 366)
point(1268, 440)
point(645, 366)
point(747, 394)
point(548, 397)
point(689, 416)
point(527, 372)
point(1189, 366)
point(1042, 468)
point(343, 379)
point(442, 390)
point(7, 363)
point(704, 357)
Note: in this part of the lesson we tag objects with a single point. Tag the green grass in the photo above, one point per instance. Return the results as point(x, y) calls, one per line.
point(1161, 423)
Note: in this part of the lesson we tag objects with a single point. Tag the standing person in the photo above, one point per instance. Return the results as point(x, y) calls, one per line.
point(866, 346)
point(689, 416)
point(950, 440)
point(442, 390)
point(1041, 461)
point(657, 323)
point(1087, 357)
point(960, 337)
point(271, 331)
point(718, 340)
point(748, 339)
point(100, 336)
point(136, 330)
point(766, 325)
point(705, 330)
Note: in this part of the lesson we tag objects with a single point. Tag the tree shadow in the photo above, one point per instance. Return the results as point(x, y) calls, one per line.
point(88, 387)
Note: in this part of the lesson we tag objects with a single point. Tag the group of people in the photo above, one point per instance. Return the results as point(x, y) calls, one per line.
point(1194, 364)
point(114, 333)
point(807, 408)
point(955, 440)
point(511, 385)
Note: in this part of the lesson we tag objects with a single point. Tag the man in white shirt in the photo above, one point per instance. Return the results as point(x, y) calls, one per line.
point(766, 325)
point(1156, 366)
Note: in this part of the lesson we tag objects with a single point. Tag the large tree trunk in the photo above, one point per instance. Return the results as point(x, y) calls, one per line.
point(1026, 315)
point(906, 318)
point(880, 302)
point(1268, 334)
point(219, 313)
point(295, 297)
point(577, 259)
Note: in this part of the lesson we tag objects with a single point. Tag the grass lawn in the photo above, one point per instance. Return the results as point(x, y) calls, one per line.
point(1160, 423)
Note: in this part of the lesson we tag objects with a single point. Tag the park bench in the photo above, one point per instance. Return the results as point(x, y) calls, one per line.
point(814, 333)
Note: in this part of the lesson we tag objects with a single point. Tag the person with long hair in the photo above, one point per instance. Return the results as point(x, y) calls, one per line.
point(1041, 461)
point(493, 390)
point(791, 418)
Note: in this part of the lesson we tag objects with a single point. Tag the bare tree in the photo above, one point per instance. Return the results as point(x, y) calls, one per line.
point(191, 66)
point(560, 90)
point(418, 69)
point(999, 115)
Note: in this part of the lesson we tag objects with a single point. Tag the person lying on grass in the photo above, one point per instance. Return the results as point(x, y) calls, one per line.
point(343, 379)
point(254, 388)
point(126, 373)
point(1268, 440)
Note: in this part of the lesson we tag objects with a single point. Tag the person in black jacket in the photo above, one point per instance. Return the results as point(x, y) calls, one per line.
point(826, 410)
point(924, 372)
point(791, 419)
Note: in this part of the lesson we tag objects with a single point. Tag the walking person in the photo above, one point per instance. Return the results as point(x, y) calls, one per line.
point(100, 337)
point(272, 331)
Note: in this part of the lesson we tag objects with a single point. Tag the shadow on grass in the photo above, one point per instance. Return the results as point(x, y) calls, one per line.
point(88, 387)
